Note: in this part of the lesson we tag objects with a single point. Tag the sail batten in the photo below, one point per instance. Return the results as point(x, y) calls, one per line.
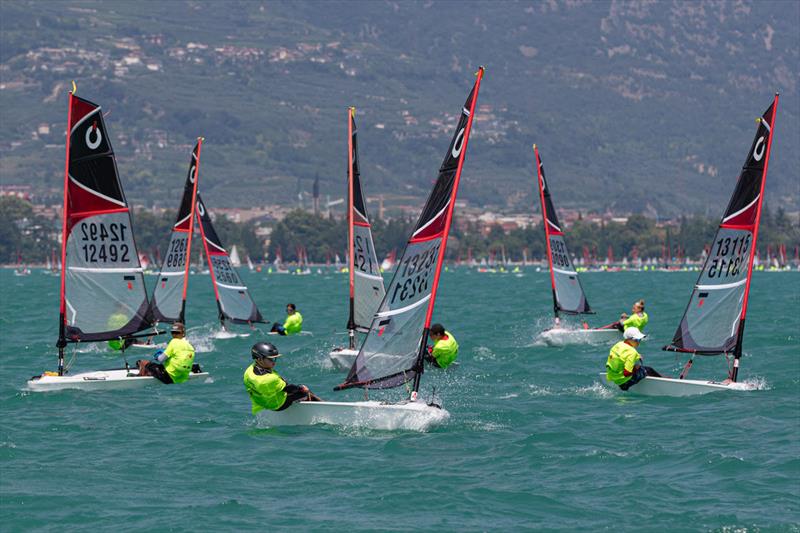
point(103, 294)
point(391, 353)
point(713, 322)
point(169, 294)
point(568, 294)
point(233, 299)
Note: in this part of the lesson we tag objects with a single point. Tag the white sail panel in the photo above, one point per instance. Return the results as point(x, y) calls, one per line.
point(233, 299)
point(393, 344)
point(368, 282)
point(168, 295)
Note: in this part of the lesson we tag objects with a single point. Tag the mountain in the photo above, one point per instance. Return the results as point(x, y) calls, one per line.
point(636, 106)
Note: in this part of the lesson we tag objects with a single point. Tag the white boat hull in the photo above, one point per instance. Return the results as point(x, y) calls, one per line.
point(343, 358)
point(652, 386)
point(568, 337)
point(144, 346)
point(99, 380)
point(225, 334)
point(409, 416)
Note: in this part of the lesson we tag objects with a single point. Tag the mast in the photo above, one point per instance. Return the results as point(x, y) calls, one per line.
point(737, 353)
point(448, 220)
point(540, 184)
point(62, 337)
point(351, 324)
point(191, 229)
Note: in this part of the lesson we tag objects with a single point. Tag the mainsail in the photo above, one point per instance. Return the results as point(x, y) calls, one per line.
point(233, 300)
point(568, 295)
point(169, 294)
point(103, 295)
point(713, 322)
point(366, 283)
point(392, 352)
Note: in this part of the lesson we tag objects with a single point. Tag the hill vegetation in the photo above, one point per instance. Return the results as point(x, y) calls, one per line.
point(636, 106)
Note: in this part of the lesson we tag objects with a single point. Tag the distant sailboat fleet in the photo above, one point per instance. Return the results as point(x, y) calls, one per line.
point(99, 256)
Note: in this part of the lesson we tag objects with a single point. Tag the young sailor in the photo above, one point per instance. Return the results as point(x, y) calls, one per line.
point(266, 388)
point(638, 318)
point(445, 348)
point(624, 366)
point(175, 362)
point(293, 324)
point(116, 321)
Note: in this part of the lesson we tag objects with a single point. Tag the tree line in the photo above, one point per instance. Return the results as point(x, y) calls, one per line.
point(30, 238)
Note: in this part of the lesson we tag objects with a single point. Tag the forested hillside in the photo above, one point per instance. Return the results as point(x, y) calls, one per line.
point(636, 106)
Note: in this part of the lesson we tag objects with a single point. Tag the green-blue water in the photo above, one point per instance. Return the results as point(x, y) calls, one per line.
point(534, 440)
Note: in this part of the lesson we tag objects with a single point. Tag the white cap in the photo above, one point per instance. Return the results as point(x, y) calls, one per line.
point(633, 334)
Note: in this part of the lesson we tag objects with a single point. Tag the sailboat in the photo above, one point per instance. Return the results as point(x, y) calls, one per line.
point(366, 283)
point(713, 322)
point(392, 353)
point(389, 261)
point(568, 295)
point(48, 268)
point(21, 269)
point(302, 262)
point(99, 255)
point(234, 302)
point(234, 257)
point(169, 294)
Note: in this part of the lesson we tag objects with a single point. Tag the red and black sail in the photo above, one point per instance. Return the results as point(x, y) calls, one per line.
point(713, 322)
point(366, 282)
point(103, 295)
point(169, 294)
point(233, 300)
point(392, 350)
point(568, 294)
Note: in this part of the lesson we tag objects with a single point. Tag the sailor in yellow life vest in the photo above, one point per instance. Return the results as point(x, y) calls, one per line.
point(175, 362)
point(293, 324)
point(266, 388)
point(638, 318)
point(445, 348)
point(624, 364)
point(116, 321)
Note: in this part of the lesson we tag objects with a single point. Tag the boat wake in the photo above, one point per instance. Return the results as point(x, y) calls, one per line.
point(754, 383)
point(483, 353)
point(595, 390)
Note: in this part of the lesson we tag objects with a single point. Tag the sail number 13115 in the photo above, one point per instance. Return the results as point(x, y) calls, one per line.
point(730, 256)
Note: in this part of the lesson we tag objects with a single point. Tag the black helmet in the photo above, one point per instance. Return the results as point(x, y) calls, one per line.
point(262, 350)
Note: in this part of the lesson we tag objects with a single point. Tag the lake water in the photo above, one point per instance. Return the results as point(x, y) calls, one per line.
point(534, 439)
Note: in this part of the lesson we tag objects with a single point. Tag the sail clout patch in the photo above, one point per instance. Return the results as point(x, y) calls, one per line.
point(701, 298)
